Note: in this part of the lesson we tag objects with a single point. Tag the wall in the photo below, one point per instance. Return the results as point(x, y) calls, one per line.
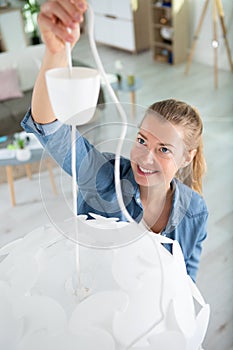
point(204, 52)
point(20, 2)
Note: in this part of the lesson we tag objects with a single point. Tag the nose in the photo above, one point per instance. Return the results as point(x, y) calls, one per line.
point(148, 157)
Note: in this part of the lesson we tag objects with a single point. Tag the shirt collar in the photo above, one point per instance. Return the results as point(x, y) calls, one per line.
point(180, 203)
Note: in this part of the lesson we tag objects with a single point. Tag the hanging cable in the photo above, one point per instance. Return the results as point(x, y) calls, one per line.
point(90, 23)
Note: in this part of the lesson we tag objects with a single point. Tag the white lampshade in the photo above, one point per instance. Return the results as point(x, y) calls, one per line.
point(138, 295)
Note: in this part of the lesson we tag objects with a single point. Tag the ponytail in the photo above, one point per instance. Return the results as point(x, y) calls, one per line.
point(199, 168)
point(193, 173)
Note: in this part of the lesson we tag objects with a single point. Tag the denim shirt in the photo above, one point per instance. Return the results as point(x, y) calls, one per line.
point(95, 177)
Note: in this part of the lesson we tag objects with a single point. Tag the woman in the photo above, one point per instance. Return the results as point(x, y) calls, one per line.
point(168, 147)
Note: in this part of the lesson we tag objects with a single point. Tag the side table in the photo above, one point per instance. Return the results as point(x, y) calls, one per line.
point(125, 87)
point(9, 163)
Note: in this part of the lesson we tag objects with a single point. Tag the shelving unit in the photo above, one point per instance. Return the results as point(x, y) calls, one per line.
point(169, 31)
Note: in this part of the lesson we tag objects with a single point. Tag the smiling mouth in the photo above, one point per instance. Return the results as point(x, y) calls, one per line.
point(144, 171)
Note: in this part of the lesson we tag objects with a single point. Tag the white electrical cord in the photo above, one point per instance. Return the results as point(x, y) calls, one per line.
point(90, 23)
point(73, 136)
point(74, 174)
point(68, 54)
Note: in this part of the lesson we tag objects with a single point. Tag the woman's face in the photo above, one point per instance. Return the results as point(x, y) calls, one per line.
point(157, 153)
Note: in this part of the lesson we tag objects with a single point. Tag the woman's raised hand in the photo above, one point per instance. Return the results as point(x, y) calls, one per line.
point(55, 17)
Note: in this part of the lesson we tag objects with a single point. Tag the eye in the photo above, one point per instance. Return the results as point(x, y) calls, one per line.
point(141, 141)
point(164, 150)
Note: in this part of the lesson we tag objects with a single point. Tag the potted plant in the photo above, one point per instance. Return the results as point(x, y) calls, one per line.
point(20, 145)
point(30, 10)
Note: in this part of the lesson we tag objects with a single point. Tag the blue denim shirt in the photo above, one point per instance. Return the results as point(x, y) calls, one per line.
point(95, 176)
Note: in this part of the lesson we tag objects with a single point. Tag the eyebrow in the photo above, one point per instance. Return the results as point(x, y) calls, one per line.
point(141, 134)
point(161, 143)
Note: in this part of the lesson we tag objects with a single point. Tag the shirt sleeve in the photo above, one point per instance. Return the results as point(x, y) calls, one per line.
point(39, 130)
point(192, 261)
point(55, 137)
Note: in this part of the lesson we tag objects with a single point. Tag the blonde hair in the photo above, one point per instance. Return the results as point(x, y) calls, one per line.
point(181, 114)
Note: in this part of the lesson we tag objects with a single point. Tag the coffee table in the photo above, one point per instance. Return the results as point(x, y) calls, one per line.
point(125, 87)
point(10, 161)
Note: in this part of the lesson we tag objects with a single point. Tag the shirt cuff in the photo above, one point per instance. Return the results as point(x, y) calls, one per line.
point(30, 126)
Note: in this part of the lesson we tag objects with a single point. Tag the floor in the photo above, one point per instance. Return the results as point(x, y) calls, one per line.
point(37, 205)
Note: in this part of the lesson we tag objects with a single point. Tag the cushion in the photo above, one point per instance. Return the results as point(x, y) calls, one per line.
point(9, 84)
point(27, 62)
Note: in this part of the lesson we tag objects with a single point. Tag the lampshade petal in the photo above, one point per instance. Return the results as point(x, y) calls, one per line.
point(20, 271)
point(98, 310)
point(42, 340)
point(40, 313)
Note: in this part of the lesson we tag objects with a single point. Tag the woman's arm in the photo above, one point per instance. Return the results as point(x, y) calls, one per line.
point(54, 19)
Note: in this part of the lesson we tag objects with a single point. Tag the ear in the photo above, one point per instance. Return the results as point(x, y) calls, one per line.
point(189, 157)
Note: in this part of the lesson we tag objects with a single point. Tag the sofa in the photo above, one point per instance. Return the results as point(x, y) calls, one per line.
point(18, 72)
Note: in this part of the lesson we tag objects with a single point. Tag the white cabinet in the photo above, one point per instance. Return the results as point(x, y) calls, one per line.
point(118, 25)
point(12, 35)
point(120, 8)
